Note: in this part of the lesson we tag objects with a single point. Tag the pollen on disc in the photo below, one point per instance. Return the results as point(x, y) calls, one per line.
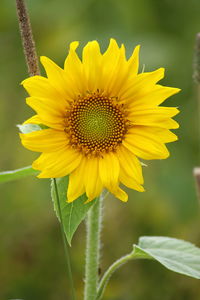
point(95, 124)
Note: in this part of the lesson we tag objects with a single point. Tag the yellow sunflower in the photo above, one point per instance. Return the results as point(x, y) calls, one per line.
point(102, 116)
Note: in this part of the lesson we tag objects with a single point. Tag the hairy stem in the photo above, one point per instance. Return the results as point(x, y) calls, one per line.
point(116, 265)
point(109, 273)
point(27, 38)
point(93, 226)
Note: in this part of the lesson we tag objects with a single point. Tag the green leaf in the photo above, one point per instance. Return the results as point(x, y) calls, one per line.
point(27, 171)
point(17, 174)
point(6, 176)
point(176, 255)
point(72, 213)
point(27, 128)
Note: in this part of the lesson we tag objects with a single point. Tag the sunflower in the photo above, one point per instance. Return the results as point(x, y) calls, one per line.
point(101, 117)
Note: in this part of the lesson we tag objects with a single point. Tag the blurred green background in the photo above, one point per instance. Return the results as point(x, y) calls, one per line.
point(32, 264)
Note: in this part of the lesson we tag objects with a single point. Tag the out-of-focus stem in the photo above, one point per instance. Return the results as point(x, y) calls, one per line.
point(196, 77)
point(196, 173)
point(196, 73)
point(27, 38)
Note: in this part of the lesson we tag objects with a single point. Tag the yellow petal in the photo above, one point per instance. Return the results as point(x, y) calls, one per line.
point(145, 143)
point(74, 70)
point(46, 140)
point(160, 111)
point(109, 170)
point(117, 70)
point(166, 123)
point(110, 55)
point(111, 66)
point(76, 184)
point(163, 135)
point(50, 113)
point(57, 164)
point(72, 58)
point(130, 164)
point(120, 194)
point(38, 86)
point(56, 77)
point(167, 136)
point(148, 98)
point(133, 62)
point(110, 61)
point(157, 116)
point(118, 75)
point(140, 84)
point(109, 175)
point(33, 120)
point(92, 59)
point(129, 181)
point(92, 182)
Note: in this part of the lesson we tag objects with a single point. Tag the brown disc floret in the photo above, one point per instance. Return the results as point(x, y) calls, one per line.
point(96, 124)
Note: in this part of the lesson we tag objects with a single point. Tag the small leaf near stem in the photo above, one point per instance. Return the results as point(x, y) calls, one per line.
point(73, 213)
point(7, 176)
point(69, 271)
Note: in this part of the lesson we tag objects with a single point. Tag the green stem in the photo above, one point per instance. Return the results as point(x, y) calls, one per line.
point(117, 264)
point(93, 226)
point(110, 271)
point(66, 249)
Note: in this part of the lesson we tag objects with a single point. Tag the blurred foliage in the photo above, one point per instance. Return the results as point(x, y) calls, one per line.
point(31, 253)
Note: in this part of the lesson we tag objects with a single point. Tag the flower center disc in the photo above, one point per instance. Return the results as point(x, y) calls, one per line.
point(95, 124)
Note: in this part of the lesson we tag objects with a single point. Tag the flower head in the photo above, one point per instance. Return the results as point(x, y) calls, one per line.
point(102, 116)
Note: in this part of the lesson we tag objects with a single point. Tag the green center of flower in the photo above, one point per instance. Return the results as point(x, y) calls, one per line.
point(95, 124)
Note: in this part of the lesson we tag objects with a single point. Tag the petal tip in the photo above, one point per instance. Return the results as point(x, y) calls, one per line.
point(43, 59)
point(69, 200)
point(73, 45)
point(137, 48)
point(23, 82)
